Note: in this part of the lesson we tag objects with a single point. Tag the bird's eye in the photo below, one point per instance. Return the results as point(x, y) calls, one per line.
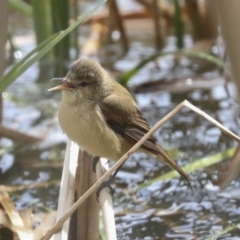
point(82, 84)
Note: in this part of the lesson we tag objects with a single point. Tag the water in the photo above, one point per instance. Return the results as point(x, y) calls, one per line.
point(166, 209)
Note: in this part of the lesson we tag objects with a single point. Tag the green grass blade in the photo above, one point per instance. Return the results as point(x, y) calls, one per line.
point(125, 78)
point(21, 6)
point(196, 165)
point(4, 82)
point(226, 230)
point(16, 70)
point(179, 31)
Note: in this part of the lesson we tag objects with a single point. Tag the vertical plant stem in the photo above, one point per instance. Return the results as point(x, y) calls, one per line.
point(76, 31)
point(41, 26)
point(203, 24)
point(156, 15)
point(115, 18)
point(211, 19)
point(3, 37)
point(63, 24)
point(42, 31)
point(60, 17)
point(178, 25)
point(195, 18)
point(229, 16)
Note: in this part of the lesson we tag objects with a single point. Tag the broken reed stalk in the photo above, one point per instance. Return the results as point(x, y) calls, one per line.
point(21, 223)
point(84, 223)
point(105, 200)
point(40, 231)
point(212, 120)
point(119, 163)
point(17, 223)
point(66, 195)
point(5, 221)
point(77, 177)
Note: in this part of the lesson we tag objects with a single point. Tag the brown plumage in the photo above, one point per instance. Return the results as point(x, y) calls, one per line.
point(101, 116)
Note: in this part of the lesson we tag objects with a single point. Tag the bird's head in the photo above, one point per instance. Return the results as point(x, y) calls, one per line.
point(84, 81)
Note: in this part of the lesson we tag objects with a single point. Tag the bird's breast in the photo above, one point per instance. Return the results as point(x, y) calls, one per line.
point(85, 125)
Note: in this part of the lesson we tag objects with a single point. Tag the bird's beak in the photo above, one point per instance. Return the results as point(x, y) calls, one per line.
point(64, 86)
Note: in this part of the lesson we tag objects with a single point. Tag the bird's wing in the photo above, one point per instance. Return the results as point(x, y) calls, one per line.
point(124, 118)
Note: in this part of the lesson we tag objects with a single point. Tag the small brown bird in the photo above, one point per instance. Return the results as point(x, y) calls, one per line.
point(101, 116)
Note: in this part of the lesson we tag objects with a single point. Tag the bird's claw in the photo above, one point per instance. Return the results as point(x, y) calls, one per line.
point(106, 184)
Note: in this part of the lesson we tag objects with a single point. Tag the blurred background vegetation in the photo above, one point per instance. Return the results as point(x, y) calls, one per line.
point(163, 51)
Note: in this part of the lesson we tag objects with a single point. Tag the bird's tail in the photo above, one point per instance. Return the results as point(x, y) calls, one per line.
point(164, 157)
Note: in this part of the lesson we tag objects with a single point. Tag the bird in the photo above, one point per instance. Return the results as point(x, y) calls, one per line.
point(102, 117)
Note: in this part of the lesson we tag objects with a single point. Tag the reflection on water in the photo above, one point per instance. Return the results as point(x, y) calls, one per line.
point(164, 210)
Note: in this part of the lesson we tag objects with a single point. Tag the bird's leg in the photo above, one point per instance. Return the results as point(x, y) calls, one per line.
point(94, 163)
point(108, 183)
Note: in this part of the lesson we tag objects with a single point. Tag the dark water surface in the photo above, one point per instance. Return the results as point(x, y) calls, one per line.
point(165, 210)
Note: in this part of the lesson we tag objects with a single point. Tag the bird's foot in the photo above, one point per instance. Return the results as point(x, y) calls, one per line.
point(106, 184)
